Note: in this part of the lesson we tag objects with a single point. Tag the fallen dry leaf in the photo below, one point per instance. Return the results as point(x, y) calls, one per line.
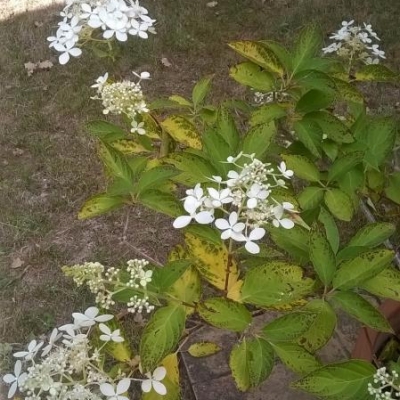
point(212, 4)
point(165, 62)
point(17, 152)
point(30, 67)
point(38, 24)
point(46, 64)
point(17, 263)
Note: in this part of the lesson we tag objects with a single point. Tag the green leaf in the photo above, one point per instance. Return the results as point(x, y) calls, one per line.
point(310, 197)
point(314, 100)
point(292, 241)
point(203, 349)
point(225, 314)
point(330, 148)
point(257, 53)
point(205, 232)
point(361, 309)
point(351, 182)
point(307, 46)
point(161, 335)
point(180, 100)
point(258, 139)
point(250, 74)
point(182, 131)
point(98, 205)
point(116, 163)
point(162, 104)
point(339, 204)
point(343, 165)
point(392, 190)
point(106, 131)
point(321, 328)
point(372, 235)
point(296, 357)
point(361, 268)
point(332, 232)
point(322, 255)
point(227, 129)
point(251, 362)
point(288, 327)
point(348, 253)
point(312, 79)
point(377, 140)
point(166, 276)
point(275, 284)
point(376, 73)
point(266, 113)
point(154, 177)
point(194, 169)
point(348, 92)
point(217, 150)
point(201, 89)
point(331, 126)
point(386, 284)
point(310, 134)
point(302, 167)
point(345, 380)
point(161, 202)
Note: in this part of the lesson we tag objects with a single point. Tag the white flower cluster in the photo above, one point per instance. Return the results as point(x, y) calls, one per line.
point(105, 282)
point(116, 18)
point(69, 367)
point(124, 97)
point(385, 386)
point(248, 193)
point(356, 43)
point(270, 97)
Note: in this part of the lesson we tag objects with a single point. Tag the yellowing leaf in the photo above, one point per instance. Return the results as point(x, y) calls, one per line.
point(203, 349)
point(234, 291)
point(259, 54)
point(128, 147)
point(211, 261)
point(183, 131)
point(170, 363)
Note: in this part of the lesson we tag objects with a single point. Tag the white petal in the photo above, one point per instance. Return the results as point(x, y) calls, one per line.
point(12, 390)
point(17, 368)
point(252, 247)
point(222, 224)
point(159, 388)
point(64, 58)
point(105, 329)
point(146, 385)
point(226, 234)
point(79, 317)
point(104, 318)
point(252, 203)
point(107, 389)
point(233, 217)
point(191, 204)
point(257, 233)
point(213, 193)
point(123, 385)
point(287, 223)
point(182, 221)
point(9, 378)
point(143, 35)
point(239, 227)
point(108, 34)
point(105, 338)
point(204, 217)
point(159, 373)
point(76, 52)
point(121, 36)
point(19, 354)
point(117, 339)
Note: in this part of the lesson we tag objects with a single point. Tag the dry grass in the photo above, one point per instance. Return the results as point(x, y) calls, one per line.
point(49, 164)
